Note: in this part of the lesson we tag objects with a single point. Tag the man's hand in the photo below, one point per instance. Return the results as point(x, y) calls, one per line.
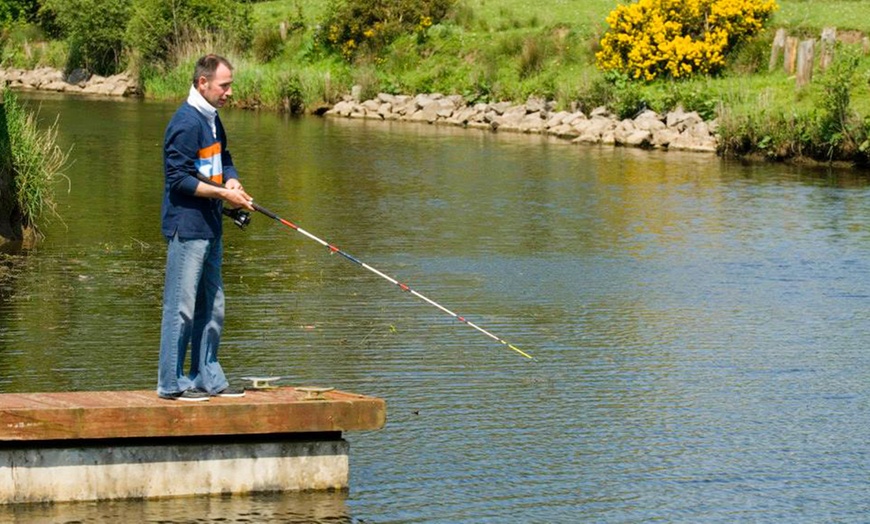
point(232, 193)
point(235, 195)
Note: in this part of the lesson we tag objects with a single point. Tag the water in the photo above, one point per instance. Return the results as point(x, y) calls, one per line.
point(699, 327)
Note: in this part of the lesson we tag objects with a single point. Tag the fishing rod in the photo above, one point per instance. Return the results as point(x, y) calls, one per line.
point(241, 220)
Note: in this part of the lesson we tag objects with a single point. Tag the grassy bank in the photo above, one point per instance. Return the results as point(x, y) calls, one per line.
point(509, 50)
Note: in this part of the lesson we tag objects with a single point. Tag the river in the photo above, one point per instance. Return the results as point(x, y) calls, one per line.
point(700, 327)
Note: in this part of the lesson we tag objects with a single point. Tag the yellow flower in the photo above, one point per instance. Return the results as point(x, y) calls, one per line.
point(678, 37)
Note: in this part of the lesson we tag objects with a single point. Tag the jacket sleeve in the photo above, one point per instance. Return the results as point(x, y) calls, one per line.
point(180, 154)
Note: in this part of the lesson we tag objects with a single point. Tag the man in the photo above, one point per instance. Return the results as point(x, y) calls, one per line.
point(193, 296)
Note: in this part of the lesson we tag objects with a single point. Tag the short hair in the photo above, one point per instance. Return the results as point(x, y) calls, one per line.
point(207, 65)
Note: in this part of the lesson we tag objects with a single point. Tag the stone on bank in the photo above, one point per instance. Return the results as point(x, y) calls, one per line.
point(676, 130)
point(77, 82)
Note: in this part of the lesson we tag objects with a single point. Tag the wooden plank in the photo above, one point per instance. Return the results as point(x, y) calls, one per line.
point(129, 414)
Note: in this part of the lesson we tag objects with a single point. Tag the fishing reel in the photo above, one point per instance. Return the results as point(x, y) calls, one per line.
point(240, 217)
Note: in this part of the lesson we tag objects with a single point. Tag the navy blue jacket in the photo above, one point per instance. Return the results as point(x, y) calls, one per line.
point(190, 147)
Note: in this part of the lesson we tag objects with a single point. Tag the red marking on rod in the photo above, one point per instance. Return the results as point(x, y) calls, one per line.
point(461, 319)
point(288, 223)
point(404, 287)
point(333, 248)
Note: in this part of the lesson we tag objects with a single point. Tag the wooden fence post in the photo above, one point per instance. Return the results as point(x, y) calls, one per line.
point(828, 42)
point(777, 48)
point(805, 55)
point(790, 55)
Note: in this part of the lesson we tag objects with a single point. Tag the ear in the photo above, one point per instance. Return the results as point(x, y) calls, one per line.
point(201, 82)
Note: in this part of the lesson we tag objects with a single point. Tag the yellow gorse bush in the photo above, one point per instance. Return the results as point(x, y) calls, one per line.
point(678, 38)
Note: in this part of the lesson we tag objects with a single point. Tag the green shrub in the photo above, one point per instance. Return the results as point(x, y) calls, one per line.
point(352, 27)
point(626, 99)
point(291, 94)
point(94, 30)
point(692, 96)
point(838, 127)
point(267, 44)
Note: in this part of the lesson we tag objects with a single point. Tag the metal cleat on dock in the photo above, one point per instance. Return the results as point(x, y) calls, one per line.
point(313, 393)
point(262, 382)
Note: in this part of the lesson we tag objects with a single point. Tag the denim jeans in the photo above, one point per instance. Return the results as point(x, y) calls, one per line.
point(193, 315)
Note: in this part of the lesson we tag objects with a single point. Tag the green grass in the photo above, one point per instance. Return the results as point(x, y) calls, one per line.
point(276, 11)
point(812, 15)
point(37, 161)
point(586, 17)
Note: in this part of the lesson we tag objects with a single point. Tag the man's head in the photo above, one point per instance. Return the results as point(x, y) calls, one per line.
point(213, 78)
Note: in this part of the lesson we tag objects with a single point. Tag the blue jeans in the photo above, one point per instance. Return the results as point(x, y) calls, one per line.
point(193, 314)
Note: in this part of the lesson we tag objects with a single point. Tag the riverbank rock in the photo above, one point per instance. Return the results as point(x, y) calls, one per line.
point(678, 130)
point(78, 81)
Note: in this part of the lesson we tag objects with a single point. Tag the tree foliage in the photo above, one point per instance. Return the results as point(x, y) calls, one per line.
point(94, 30)
point(17, 11)
point(160, 29)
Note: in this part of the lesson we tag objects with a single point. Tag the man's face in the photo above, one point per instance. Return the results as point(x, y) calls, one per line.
point(217, 90)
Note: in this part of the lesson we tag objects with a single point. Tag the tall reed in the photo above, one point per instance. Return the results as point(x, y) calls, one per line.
point(37, 162)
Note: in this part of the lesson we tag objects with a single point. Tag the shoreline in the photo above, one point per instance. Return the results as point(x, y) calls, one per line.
point(77, 82)
point(676, 130)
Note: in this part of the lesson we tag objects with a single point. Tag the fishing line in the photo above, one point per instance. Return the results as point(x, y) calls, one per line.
point(404, 287)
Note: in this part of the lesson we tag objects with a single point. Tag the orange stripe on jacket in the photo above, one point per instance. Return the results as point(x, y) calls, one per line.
point(210, 163)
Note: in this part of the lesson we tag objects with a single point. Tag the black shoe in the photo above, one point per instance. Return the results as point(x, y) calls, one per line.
point(190, 395)
point(230, 391)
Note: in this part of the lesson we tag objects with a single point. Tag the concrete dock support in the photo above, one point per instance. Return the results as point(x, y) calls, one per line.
point(101, 470)
point(99, 445)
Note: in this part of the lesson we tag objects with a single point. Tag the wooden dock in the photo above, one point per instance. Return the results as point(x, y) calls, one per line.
point(121, 444)
point(128, 414)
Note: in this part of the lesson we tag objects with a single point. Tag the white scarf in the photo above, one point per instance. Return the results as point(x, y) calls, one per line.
point(201, 104)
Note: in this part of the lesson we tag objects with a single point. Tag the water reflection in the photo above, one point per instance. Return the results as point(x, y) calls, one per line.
point(700, 326)
point(266, 508)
